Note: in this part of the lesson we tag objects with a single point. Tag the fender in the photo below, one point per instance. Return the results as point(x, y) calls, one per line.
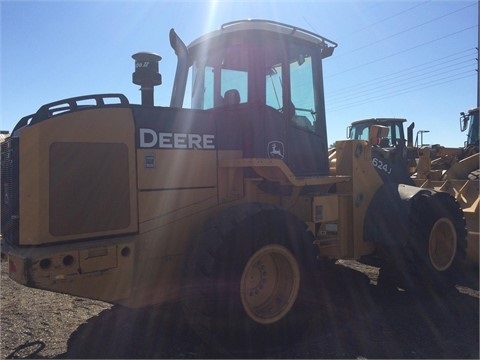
point(387, 218)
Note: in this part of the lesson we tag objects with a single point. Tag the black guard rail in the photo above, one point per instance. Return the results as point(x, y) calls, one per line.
point(72, 104)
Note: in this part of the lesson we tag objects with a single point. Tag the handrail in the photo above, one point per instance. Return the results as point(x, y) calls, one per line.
point(73, 104)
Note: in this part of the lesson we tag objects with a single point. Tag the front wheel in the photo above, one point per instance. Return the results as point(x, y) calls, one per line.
point(249, 279)
point(442, 244)
point(431, 262)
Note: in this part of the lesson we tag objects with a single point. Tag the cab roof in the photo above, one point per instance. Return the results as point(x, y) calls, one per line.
point(266, 26)
point(379, 121)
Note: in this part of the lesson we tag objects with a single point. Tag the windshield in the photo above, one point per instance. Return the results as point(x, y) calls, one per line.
point(359, 132)
point(395, 134)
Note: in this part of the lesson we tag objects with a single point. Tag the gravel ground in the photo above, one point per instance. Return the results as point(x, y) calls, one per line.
point(357, 321)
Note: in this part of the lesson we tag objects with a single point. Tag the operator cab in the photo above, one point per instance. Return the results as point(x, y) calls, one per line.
point(472, 119)
point(390, 154)
point(264, 76)
point(360, 130)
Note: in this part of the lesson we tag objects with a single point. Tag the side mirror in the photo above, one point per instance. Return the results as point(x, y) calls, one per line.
point(349, 132)
point(410, 134)
point(301, 59)
point(463, 121)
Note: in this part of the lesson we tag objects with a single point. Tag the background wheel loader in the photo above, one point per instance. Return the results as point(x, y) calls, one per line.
point(456, 171)
point(452, 170)
point(224, 200)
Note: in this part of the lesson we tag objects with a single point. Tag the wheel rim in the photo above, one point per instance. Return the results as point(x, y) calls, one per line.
point(270, 283)
point(442, 245)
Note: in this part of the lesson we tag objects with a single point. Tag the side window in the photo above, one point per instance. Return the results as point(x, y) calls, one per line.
point(302, 90)
point(363, 135)
point(273, 86)
point(399, 135)
point(202, 85)
point(211, 83)
point(234, 82)
point(359, 132)
point(208, 95)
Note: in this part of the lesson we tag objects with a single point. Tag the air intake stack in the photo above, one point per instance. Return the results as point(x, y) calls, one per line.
point(146, 75)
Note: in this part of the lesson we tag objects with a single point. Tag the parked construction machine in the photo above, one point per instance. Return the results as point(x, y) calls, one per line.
point(470, 121)
point(438, 162)
point(223, 200)
point(390, 146)
point(454, 170)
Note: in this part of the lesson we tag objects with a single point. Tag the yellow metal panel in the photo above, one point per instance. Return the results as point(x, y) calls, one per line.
point(169, 221)
point(354, 159)
point(230, 179)
point(105, 125)
point(276, 170)
point(98, 259)
point(325, 208)
point(160, 208)
point(174, 169)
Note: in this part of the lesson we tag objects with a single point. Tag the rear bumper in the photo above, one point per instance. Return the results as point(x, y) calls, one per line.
point(101, 269)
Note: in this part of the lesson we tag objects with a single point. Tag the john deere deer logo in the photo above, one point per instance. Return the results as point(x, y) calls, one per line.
point(276, 150)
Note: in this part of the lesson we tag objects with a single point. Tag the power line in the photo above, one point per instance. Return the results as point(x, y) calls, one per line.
point(385, 19)
point(398, 86)
point(448, 79)
point(403, 51)
point(411, 77)
point(375, 82)
point(373, 24)
point(404, 31)
point(443, 70)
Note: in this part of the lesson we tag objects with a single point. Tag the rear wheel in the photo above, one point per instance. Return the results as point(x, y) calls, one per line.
point(249, 279)
point(269, 284)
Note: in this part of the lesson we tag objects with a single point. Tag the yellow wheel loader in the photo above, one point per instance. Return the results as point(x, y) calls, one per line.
point(456, 171)
point(223, 201)
point(452, 170)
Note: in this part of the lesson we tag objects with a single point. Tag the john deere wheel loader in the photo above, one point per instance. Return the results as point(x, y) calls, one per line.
point(223, 200)
point(452, 170)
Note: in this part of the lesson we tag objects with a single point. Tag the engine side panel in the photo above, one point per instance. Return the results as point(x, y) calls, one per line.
point(75, 169)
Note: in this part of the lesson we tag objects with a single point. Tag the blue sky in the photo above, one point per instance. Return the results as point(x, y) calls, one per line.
point(407, 59)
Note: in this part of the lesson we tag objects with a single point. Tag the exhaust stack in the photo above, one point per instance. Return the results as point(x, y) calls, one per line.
point(146, 75)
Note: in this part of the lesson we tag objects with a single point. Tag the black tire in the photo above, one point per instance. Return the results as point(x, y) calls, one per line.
point(233, 253)
point(432, 260)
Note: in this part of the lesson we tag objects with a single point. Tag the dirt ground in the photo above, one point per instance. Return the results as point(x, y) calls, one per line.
point(358, 321)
